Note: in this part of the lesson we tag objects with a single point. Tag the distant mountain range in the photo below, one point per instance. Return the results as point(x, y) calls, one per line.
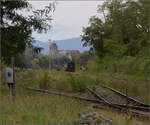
point(67, 44)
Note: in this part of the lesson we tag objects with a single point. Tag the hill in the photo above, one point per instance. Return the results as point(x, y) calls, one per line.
point(67, 44)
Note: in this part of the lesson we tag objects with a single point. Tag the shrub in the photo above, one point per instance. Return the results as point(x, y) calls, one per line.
point(93, 66)
point(129, 65)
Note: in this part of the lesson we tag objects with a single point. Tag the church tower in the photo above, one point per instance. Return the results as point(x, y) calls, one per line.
point(53, 50)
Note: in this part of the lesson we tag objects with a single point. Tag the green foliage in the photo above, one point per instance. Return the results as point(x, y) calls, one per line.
point(3, 65)
point(16, 29)
point(77, 84)
point(93, 66)
point(44, 80)
point(124, 30)
point(136, 66)
point(59, 62)
point(44, 62)
point(123, 34)
point(35, 60)
point(82, 59)
point(93, 35)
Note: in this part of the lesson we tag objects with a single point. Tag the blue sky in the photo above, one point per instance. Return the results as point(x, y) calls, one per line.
point(68, 18)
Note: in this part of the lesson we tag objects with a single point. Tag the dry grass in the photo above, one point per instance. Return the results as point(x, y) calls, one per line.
point(36, 108)
point(138, 87)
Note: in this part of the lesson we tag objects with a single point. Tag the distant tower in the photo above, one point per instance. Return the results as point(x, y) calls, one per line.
point(53, 52)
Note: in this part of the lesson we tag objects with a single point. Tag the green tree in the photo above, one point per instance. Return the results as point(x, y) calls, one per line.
point(124, 30)
point(16, 29)
point(93, 35)
point(82, 58)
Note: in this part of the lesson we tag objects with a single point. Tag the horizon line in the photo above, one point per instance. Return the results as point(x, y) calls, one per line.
point(59, 39)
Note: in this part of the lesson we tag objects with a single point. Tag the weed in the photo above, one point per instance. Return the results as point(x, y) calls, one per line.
point(44, 80)
point(77, 84)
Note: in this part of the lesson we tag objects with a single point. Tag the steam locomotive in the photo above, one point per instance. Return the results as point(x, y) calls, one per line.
point(70, 67)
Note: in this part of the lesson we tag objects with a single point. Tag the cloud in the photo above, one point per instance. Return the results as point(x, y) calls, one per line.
point(68, 19)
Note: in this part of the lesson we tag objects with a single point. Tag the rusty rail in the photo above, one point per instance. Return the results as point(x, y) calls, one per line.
point(62, 94)
point(99, 99)
point(122, 108)
point(123, 95)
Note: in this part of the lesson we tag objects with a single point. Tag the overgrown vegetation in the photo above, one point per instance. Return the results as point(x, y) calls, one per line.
point(37, 108)
point(78, 81)
point(119, 50)
point(78, 85)
point(44, 82)
point(124, 30)
point(120, 39)
point(127, 65)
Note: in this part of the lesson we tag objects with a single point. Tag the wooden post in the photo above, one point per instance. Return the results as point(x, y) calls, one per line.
point(11, 91)
point(12, 85)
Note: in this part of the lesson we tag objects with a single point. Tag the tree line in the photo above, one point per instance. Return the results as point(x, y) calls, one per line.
point(122, 31)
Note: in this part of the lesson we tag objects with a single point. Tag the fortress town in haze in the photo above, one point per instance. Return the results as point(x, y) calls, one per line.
point(54, 52)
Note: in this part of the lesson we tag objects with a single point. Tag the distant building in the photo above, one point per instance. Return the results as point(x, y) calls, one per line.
point(54, 52)
point(68, 52)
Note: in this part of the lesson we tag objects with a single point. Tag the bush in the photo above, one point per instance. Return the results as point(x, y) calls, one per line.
point(93, 65)
point(137, 66)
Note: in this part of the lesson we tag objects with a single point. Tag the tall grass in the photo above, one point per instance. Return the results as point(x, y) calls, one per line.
point(137, 88)
point(77, 84)
point(44, 80)
point(78, 81)
point(37, 108)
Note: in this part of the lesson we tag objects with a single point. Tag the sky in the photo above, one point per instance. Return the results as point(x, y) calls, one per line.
point(68, 19)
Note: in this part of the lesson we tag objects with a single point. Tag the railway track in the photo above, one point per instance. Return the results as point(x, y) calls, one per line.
point(61, 94)
point(138, 103)
point(138, 111)
point(132, 104)
point(134, 110)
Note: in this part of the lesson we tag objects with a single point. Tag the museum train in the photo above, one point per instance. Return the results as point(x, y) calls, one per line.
point(70, 67)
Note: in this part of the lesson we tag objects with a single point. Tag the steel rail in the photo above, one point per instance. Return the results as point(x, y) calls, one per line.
point(120, 107)
point(99, 99)
point(123, 95)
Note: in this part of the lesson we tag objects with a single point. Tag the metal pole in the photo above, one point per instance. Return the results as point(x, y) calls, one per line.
point(49, 62)
point(49, 54)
